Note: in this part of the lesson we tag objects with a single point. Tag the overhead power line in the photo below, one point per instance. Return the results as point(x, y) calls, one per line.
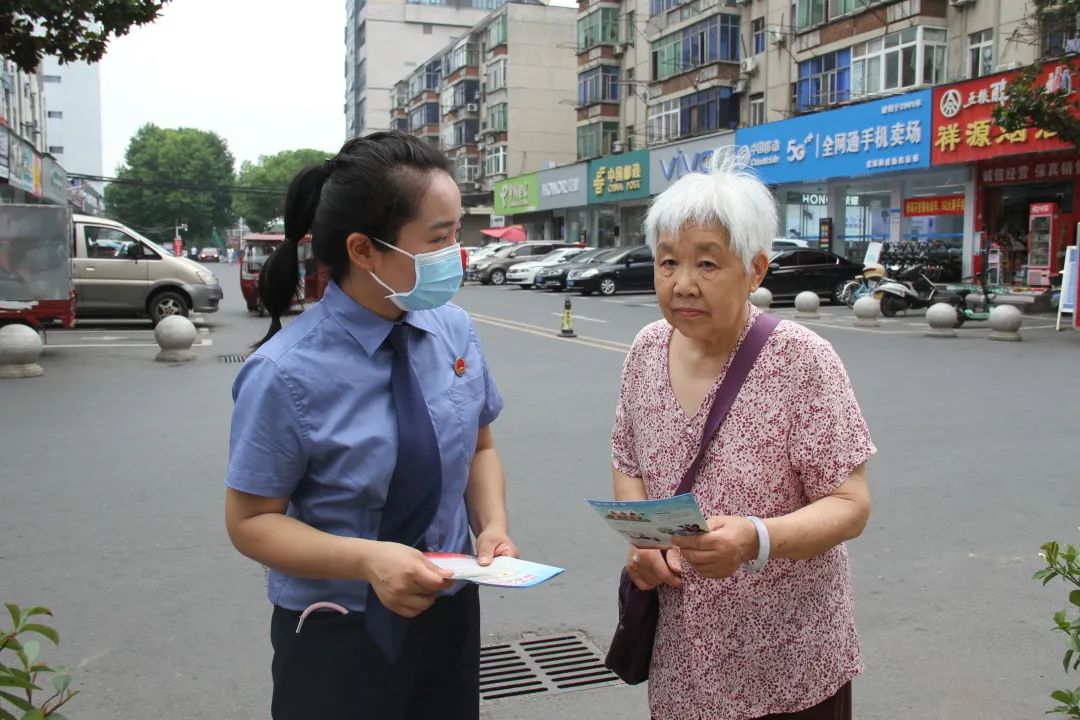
point(181, 185)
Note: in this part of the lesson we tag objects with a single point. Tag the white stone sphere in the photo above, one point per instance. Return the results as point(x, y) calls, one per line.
point(1005, 322)
point(941, 316)
point(20, 349)
point(807, 303)
point(867, 308)
point(761, 298)
point(175, 335)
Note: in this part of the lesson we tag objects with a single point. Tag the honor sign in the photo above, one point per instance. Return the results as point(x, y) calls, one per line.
point(563, 187)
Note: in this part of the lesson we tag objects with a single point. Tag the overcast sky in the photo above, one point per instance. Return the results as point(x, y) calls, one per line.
point(263, 77)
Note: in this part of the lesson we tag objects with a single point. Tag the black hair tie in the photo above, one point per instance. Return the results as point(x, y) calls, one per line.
point(329, 165)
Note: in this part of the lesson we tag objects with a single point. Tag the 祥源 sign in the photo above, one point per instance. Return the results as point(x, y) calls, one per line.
point(873, 137)
point(963, 119)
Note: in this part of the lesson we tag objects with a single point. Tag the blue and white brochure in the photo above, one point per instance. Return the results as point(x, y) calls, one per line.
point(652, 523)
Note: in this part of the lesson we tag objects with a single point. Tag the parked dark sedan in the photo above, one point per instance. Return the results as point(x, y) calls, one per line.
point(793, 271)
point(554, 276)
point(629, 269)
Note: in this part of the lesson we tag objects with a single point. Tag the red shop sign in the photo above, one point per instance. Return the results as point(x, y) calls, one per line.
point(1055, 167)
point(963, 119)
point(934, 205)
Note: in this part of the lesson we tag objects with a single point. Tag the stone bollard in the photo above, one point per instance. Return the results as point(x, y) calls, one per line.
point(761, 298)
point(20, 349)
point(941, 317)
point(1005, 322)
point(867, 310)
point(806, 305)
point(175, 335)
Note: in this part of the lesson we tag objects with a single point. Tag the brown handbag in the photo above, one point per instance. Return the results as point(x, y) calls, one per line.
point(630, 654)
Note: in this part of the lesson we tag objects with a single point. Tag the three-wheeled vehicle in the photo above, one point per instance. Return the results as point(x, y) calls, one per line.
point(36, 284)
point(256, 248)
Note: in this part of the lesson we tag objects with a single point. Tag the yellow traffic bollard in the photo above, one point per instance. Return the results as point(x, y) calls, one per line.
point(567, 329)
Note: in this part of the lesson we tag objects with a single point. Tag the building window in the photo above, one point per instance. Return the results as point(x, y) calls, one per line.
point(55, 114)
point(1060, 33)
point(631, 139)
point(630, 33)
point(824, 80)
point(757, 109)
point(757, 27)
point(601, 84)
point(465, 132)
point(810, 12)
point(657, 7)
point(711, 40)
point(981, 53)
point(707, 111)
point(51, 78)
point(664, 122)
point(596, 139)
point(465, 93)
point(361, 35)
point(428, 28)
point(496, 119)
point(496, 33)
point(463, 56)
point(600, 27)
point(905, 59)
point(495, 161)
point(401, 124)
point(56, 149)
point(466, 169)
point(426, 114)
point(496, 76)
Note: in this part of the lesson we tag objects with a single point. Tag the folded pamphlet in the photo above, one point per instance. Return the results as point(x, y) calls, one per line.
point(502, 572)
point(652, 523)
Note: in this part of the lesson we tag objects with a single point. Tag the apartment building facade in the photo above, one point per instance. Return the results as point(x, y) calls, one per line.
point(498, 100)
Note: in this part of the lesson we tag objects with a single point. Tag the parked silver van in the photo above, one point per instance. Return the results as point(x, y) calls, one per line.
point(118, 273)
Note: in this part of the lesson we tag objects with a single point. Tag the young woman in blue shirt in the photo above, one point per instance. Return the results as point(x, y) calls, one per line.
point(361, 440)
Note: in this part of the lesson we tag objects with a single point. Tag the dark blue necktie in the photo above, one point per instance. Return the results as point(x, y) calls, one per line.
point(415, 487)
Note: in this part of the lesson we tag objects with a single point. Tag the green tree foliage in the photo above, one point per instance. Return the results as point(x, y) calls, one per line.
point(188, 173)
point(273, 172)
point(71, 30)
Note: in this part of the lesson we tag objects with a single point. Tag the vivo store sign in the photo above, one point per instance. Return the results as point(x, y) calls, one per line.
point(872, 137)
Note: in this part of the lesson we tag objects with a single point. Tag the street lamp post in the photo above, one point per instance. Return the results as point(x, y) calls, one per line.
point(178, 242)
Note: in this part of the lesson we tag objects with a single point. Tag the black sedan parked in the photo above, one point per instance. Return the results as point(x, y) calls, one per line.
point(629, 269)
point(793, 271)
point(553, 277)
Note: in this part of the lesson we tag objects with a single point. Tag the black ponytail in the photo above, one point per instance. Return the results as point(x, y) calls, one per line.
point(373, 186)
point(279, 278)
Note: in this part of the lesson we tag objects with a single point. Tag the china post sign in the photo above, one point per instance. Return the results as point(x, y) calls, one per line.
point(619, 177)
point(873, 137)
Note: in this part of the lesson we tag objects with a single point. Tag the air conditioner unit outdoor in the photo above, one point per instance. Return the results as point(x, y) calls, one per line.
point(740, 86)
point(620, 49)
point(748, 65)
point(616, 147)
point(478, 138)
point(472, 107)
point(1011, 65)
point(776, 35)
point(742, 2)
point(961, 3)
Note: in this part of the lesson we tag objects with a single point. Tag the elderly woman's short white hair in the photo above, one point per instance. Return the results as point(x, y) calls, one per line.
point(731, 197)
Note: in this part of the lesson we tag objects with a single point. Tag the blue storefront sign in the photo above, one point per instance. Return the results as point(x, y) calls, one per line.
point(873, 137)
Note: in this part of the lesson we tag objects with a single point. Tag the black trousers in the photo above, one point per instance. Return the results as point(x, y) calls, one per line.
point(333, 670)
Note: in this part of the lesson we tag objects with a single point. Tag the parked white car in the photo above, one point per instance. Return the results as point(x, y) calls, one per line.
point(524, 274)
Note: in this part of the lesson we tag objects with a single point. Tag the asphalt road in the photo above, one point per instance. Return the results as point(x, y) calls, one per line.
point(112, 485)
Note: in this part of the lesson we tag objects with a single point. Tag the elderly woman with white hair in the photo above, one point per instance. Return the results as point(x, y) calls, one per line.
point(755, 615)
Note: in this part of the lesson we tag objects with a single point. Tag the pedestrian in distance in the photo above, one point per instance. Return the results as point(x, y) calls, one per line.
point(755, 616)
point(361, 439)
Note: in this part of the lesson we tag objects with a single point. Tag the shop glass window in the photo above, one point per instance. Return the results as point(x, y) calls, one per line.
point(757, 28)
point(600, 27)
point(981, 53)
point(664, 122)
point(824, 80)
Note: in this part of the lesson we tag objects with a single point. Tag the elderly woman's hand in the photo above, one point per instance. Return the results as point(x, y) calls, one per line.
point(649, 568)
point(731, 541)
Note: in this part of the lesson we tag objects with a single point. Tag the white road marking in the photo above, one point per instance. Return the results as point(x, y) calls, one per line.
point(207, 342)
point(582, 317)
point(550, 334)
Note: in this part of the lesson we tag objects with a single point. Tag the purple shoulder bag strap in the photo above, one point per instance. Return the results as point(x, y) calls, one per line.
point(740, 367)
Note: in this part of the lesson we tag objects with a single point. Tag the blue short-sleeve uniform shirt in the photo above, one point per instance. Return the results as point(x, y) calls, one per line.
point(313, 422)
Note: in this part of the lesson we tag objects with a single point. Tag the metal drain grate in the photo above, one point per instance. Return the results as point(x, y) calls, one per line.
point(552, 664)
point(232, 359)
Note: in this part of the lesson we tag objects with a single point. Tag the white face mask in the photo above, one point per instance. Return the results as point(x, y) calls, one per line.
point(438, 278)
